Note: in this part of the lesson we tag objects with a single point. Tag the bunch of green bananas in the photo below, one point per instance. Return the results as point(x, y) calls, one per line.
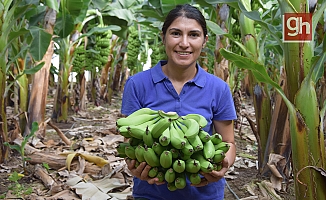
point(176, 147)
point(133, 48)
point(79, 59)
point(102, 46)
point(158, 53)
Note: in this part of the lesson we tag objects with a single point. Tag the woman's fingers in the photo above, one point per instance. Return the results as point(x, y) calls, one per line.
point(202, 183)
point(144, 172)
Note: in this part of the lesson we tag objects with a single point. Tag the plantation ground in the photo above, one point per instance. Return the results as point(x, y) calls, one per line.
point(93, 132)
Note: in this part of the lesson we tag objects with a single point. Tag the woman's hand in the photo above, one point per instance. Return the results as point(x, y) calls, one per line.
point(141, 172)
point(213, 176)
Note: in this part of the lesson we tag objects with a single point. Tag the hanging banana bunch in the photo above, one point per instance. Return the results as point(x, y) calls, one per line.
point(176, 147)
point(102, 46)
point(211, 44)
point(97, 56)
point(79, 58)
point(133, 49)
point(158, 53)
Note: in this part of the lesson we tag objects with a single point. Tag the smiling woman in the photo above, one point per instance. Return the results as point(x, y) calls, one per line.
point(180, 85)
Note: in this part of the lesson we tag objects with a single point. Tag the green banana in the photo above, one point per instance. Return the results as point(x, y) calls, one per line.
point(165, 138)
point(166, 159)
point(158, 148)
point(180, 181)
point(196, 143)
point(195, 178)
point(135, 120)
point(137, 164)
point(122, 155)
point(184, 156)
point(171, 186)
point(216, 138)
point(222, 146)
point(192, 165)
point(177, 138)
point(121, 147)
point(151, 158)
point(123, 130)
point(160, 126)
point(219, 166)
point(208, 150)
point(179, 166)
point(188, 149)
point(146, 125)
point(175, 153)
point(130, 152)
point(219, 155)
point(203, 135)
point(192, 128)
point(172, 115)
point(205, 165)
point(139, 153)
point(169, 175)
point(136, 131)
point(148, 138)
point(214, 166)
point(143, 111)
point(181, 125)
point(160, 176)
point(153, 172)
point(177, 127)
point(134, 141)
point(201, 120)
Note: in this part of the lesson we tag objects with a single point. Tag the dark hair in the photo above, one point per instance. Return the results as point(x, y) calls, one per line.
point(185, 10)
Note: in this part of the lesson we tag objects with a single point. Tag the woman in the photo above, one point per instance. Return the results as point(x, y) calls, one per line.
point(179, 84)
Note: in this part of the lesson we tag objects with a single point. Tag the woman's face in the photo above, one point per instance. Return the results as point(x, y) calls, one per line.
point(184, 40)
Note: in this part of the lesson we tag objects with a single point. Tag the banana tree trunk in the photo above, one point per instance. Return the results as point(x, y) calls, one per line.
point(112, 85)
point(23, 94)
point(95, 87)
point(40, 83)
point(261, 98)
point(221, 64)
point(81, 98)
point(60, 112)
point(4, 151)
point(106, 69)
point(279, 139)
point(307, 141)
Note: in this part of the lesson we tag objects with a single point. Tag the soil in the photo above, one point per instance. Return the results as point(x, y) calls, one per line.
point(242, 179)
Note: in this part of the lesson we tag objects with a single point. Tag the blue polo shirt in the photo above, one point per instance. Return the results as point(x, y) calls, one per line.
point(206, 94)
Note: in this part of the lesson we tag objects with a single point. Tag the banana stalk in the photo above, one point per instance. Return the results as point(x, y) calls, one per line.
point(5, 16)
point(305, 132)
point(309, 183)
point(307, 139)
point(259, 90)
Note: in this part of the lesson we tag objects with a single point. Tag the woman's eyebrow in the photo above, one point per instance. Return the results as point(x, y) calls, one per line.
point(192, 31)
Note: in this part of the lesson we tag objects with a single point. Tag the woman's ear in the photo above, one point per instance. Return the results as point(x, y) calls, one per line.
point(205, 41)
point(162, 37)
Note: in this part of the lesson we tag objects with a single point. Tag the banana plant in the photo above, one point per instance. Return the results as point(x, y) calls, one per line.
point(12, 30)
point(305, 126)
point(260, 91)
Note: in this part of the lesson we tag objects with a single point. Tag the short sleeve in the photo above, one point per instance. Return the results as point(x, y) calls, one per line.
point(224, 108)
point(130, 100)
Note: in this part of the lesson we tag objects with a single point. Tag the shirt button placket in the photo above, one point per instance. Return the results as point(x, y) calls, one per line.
point(178, 105)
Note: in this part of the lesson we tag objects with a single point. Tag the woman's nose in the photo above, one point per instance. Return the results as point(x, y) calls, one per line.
point(184, 42)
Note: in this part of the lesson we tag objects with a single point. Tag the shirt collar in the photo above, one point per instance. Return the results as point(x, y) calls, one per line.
point(158, 75)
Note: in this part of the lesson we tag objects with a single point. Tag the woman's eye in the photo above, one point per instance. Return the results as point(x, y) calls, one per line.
point(194, 35)
point(175, 33)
